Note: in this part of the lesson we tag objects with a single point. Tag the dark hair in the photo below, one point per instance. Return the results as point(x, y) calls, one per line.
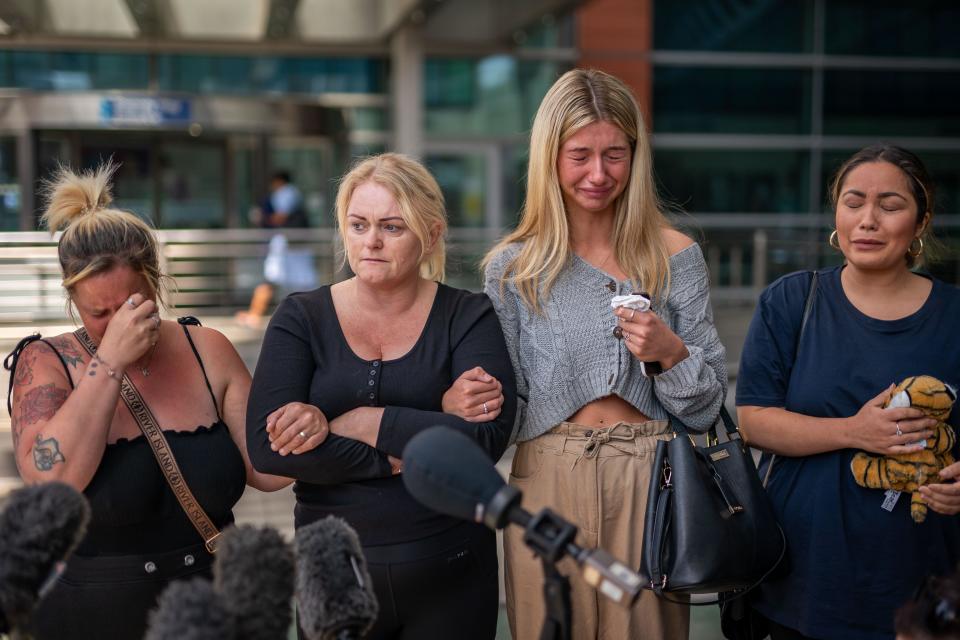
point(283, 176)
point(921, 186)
point(934, 611)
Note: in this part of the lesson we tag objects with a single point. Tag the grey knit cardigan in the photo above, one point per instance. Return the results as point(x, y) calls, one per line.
point(567, 356)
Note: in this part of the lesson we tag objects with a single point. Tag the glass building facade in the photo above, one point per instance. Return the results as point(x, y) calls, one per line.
point(752, 106)
point(755, 105)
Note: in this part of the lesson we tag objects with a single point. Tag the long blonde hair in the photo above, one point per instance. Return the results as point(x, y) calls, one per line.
point(579, 98)
point(419, 197)
point(95, 237)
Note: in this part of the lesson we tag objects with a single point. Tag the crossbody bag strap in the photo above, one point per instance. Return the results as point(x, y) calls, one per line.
point(161, 451)
point(807, 307)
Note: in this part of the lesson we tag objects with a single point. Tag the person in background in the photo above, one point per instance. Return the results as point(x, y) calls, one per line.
point(283, 209)
point(350, 372)
point(592, 228)
point(70, 423)
point(853, 554)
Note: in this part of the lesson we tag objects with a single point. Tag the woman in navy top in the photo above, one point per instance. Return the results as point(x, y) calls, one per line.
point(350, 372)
point(851, 560)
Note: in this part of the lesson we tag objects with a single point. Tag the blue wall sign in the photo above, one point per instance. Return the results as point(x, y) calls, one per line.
point(144, 110)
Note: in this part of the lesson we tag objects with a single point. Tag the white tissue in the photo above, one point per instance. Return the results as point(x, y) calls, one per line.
point(632, 301)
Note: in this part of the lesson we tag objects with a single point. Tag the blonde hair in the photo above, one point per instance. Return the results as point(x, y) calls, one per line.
point(97, 238)
point(579, 98)
point(419, 197)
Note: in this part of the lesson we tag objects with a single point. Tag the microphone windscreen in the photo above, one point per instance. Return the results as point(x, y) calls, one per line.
point(253, 573)
point(448, 472)
point(40, 526)
point(191, 610)
point(334, 589)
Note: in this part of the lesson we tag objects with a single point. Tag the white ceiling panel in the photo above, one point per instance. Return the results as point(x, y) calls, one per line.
point(219, 19)
point(91, 17)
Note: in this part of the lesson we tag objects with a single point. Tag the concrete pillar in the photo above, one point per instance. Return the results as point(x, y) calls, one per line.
point(406, 91)
point(26, 176)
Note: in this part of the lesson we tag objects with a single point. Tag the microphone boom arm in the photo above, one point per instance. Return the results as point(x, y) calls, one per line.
point(551, 537)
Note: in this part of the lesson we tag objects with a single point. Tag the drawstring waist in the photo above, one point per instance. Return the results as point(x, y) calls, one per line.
point(639, 439)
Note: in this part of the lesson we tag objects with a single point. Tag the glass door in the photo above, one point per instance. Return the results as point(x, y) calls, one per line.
point(192, 184)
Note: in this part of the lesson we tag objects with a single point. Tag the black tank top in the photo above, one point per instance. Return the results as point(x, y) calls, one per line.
point(133, 508)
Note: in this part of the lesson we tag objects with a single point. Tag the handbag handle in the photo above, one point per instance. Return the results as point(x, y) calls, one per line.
point(807, 308)
point(728, 423)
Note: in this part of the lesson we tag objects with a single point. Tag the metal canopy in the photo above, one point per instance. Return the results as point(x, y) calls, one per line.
point(167, 24)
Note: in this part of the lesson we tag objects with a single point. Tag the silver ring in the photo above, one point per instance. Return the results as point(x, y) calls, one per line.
point(302, 435)
point(485, 410)
point(156, 319)
point(130, 302)
point(632, 313)
point(899, 432)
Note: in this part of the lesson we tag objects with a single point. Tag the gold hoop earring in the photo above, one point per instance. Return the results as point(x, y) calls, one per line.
point(915, 253)
point(834, 240)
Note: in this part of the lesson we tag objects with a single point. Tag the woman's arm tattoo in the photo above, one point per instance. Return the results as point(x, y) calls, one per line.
point(46, 453)
point(67, 347)
point(40, 403)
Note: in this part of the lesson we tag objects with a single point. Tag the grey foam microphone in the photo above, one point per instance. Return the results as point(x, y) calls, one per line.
point(335, 599)
point(448, 472)
point(253, 573)
point(191, 610)
point(40, 526)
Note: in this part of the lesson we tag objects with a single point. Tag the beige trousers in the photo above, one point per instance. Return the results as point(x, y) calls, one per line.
point(597, 479)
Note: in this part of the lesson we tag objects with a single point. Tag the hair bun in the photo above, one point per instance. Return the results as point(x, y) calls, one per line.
point(70, 195)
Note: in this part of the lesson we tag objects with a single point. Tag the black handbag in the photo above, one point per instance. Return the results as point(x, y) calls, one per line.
point(710, 526)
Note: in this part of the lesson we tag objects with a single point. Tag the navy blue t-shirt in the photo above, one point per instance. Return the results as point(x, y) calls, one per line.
point(851, 564)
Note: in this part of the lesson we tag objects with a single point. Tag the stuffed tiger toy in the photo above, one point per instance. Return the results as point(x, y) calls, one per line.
point(910, 471)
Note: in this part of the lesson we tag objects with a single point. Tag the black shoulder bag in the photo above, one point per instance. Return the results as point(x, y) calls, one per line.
point(710, 526)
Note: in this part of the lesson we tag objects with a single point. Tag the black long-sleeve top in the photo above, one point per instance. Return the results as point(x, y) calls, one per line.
point(305, 358)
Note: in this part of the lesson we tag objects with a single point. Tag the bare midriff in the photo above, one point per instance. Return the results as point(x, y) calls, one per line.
point(606, 412)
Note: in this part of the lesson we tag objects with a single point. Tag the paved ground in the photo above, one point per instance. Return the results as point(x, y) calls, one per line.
point(276, 509)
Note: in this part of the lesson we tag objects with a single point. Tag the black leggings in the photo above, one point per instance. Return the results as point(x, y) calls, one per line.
point(110, 596)
point(440, 587)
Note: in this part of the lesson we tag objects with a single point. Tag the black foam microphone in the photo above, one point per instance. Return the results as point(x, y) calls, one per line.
point(39, 528)
point(448, 472)
point(335, 599)
point(191, 610)
point(253, 574)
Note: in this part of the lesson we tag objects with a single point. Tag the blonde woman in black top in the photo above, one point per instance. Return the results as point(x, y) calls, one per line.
point(350, 372)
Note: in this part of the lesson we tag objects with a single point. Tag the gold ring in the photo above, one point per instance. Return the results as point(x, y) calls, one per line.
point(632, 312)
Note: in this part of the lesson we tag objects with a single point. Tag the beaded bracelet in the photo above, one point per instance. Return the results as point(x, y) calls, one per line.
point(110, 370)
